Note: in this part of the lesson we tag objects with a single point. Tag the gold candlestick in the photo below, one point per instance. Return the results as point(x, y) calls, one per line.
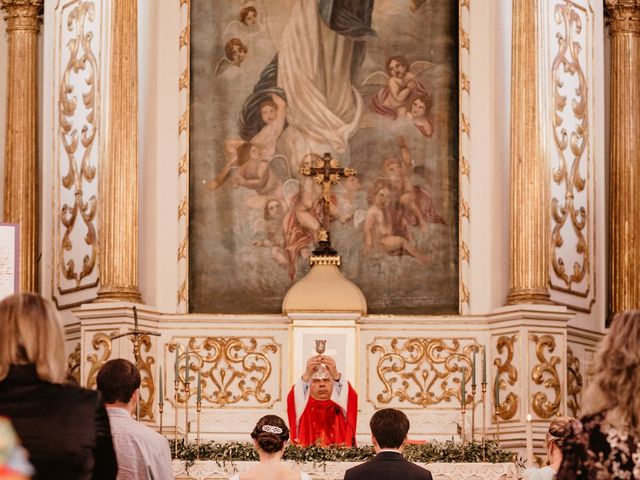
point(484, 421)
point(497, 414)
point(176, 385)
point(462, 413)
point(160, 410)
point(198, 408)
point(186, 411)
point(473, 412)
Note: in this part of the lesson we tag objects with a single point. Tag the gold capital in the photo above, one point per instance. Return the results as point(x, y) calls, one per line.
point(529, 208)
point(624, 177)
point(118, 185)
point(21, 148)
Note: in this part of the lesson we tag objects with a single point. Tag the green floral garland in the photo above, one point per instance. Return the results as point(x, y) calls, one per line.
point(432, 452)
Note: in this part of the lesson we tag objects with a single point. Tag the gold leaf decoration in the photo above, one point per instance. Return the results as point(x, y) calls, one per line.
point(81, 69)
point(570, 147)
point(541, 404)
point(574, 383)
point(100, 340)
point(146, 374)
point(508, 406)
point(421, 371)
point(73, 364)
point(233, 369)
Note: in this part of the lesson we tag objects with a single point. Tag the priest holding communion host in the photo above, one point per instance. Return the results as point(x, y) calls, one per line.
point(322, 406)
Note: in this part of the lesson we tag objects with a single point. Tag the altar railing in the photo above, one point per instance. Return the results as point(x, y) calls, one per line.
point(211, 470)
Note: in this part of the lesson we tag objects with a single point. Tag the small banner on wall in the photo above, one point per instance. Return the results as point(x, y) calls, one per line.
point(9, 259)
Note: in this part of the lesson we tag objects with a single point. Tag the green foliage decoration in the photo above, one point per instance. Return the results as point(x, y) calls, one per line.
point(431, 452)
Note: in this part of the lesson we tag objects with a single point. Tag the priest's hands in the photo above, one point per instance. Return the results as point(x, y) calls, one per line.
point(330, 363)
point(313, 363)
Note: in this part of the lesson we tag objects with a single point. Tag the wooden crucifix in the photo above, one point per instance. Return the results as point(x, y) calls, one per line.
point(325, 172)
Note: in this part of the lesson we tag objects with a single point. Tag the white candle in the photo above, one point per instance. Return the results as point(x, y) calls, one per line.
point(529, 431)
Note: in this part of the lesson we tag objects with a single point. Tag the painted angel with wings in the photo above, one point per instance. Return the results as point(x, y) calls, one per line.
point(403, 95)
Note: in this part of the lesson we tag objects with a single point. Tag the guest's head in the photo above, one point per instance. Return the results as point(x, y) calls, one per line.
point(389, 429)
point(270, 434)
point(556, 434)
point(30, 333)
point(119, 380)
point(615, 388)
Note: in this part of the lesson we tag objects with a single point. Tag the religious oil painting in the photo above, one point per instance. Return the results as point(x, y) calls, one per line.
point(276, 85)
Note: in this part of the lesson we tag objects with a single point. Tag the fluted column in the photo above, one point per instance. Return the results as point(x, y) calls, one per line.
point(21, 143)
point(529, 208)
point(118, 228)
point(624, 181)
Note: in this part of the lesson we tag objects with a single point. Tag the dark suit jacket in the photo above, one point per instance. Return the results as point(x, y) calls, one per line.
point(387, 466)
point(65, 429)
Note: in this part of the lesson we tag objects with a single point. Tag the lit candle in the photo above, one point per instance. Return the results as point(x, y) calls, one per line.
point(463, 393)
point(473, 370)
point(199, 397)
point(177, 364)
point(496, 395)
point(186, 366)
point(484, 364)
point(160, 387)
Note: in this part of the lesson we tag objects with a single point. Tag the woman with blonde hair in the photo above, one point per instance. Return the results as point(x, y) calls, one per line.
point(604, 443)
point(554, 442)
point(65, 429)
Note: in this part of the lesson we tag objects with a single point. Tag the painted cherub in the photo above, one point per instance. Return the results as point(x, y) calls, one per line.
point(273, 231)
point(379, 234)
point(259, 151)
point(392, 100)
point(419, 113)
point(235, 51)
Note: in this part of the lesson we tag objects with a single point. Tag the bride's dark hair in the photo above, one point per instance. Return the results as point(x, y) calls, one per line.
point(271, 433)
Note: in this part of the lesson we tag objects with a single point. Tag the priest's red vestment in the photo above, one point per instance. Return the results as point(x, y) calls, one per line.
point(325, 422)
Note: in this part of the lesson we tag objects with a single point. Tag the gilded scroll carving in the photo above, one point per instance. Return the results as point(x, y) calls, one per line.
point(233, 369)
point(509, 405)
point(574, 383)
point(143, 342)
point(541, 404)
point(100, 341)
point(571, 140)
point(421, 371)
point(73, 364)
point(77, 143)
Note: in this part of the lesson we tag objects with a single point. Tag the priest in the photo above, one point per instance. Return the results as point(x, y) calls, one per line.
point(322, 407)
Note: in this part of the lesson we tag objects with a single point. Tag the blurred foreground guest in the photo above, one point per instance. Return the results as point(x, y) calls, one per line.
point(558, 429)
point(13, 458)
point(270, 436)
point(65, 429)
point(604, 443)
point(142, 452)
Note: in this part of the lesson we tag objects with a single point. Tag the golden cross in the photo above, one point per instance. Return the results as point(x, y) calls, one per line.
point(326, 171)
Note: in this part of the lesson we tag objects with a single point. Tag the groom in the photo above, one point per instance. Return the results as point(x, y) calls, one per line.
point(389, 428)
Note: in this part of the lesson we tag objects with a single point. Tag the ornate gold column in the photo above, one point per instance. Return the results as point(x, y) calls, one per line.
point(21, 143)
point(624, 181)
point(118, 226)
point(529, 235)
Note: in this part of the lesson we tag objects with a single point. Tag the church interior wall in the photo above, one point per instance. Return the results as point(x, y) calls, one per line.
point(3, 111)
point(159, 30)
point(484, 319)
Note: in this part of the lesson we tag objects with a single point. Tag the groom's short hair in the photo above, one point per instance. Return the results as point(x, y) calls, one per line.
point(389, 427)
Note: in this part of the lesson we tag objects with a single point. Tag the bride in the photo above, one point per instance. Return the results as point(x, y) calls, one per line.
point(270, 436)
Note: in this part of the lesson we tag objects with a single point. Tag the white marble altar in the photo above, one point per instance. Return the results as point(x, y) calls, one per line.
point(211, 470)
